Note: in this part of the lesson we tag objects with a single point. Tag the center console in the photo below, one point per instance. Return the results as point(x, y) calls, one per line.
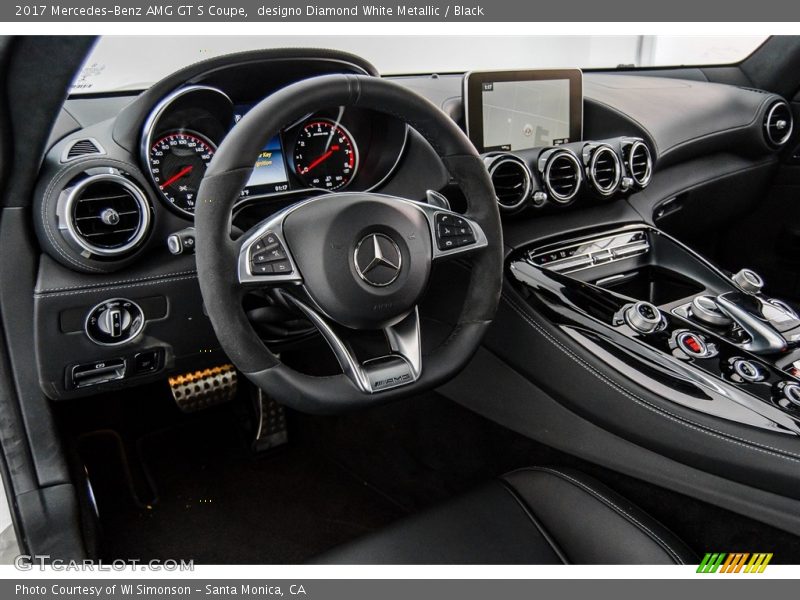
point(658, 313)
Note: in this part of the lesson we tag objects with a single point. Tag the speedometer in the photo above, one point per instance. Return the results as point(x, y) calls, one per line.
point(325, 155)
point(178, 161)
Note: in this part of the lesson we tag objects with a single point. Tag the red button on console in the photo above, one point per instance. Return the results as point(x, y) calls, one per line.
point(692, 344)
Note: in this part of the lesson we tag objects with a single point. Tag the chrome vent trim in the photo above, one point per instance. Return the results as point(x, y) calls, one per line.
point(105, 215)
point(82, 147)
point(512, 181)
point(640, 163)
point(778, 123)
point(563, 176)
point(605, 170)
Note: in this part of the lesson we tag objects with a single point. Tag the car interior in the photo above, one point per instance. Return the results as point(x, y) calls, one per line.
point(279, 308)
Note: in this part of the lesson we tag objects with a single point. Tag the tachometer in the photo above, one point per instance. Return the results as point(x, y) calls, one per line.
point(178, 161)
point(325, 155)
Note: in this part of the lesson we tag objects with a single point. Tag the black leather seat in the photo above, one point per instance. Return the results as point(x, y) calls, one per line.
point(531, 516)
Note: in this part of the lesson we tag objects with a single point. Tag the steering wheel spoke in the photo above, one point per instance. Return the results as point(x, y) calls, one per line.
point(264, 258)
point(402, 366)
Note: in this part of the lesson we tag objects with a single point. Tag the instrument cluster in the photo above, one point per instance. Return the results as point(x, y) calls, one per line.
point(330, 150)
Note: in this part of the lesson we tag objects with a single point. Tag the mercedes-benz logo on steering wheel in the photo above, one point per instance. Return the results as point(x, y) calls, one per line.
point(378, 259)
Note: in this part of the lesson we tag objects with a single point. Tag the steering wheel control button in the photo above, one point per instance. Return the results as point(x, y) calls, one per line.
point(452, 232)
point(694, 345)
point(747, 370)
point(378, 260)
point(114, 322)
point(749, 281)
point(643, 317)
point(268, 256)
point(706, 310)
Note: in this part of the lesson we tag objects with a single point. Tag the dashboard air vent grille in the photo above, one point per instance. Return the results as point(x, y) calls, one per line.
point(512, 182)
point(640, 163)
point(604, 169)
point(778, 124)
point(563, 176)
point(82, 148)
point(107, 215)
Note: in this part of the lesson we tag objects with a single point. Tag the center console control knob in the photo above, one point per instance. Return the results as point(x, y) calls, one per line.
point(705, 309)
point(749, 281)
point(790, 391)
point(747, 370)
point(643, 317)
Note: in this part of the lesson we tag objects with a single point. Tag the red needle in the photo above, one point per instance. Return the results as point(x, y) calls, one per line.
point(178, 175)
point(321, 159)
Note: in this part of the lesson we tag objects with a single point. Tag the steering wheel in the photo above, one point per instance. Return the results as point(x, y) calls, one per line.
point(348, 260)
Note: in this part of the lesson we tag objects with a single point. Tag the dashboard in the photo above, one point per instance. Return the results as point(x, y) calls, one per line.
point(122, 172)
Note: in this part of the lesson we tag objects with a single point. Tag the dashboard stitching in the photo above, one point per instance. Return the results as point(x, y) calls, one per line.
point(87, 291)
point(749, 444)
point(115, 283)
point(618, 509)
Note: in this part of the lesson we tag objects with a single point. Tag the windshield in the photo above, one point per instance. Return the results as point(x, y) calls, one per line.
point(123, 63)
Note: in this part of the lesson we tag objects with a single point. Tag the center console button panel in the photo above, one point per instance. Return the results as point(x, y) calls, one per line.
point(665, 312)
point(576, 256)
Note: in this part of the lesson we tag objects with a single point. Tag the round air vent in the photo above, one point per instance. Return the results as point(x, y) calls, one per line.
point(562, 176)
point(605, 170)
point(105, 215)
point(640, 163)
point(778, 124)
point(512, 182)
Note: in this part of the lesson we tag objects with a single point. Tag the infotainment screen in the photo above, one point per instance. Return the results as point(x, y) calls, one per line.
point(269, 174)
point(518, 110)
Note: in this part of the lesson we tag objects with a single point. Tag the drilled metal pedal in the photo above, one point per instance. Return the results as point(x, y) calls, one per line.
point(271, 417)
point(202, 389)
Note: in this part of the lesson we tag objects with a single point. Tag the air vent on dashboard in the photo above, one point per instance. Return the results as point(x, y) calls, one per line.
point(105, 215)
point(640, 163)
point(605, 170)
point(512, 182)
point(562, 176)
point(778, 123)
point(84, 147)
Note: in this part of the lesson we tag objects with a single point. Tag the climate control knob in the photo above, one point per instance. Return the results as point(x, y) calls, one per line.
point(749, 281)
point(643, 317)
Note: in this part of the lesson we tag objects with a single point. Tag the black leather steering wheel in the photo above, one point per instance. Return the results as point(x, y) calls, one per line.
point(348, 260)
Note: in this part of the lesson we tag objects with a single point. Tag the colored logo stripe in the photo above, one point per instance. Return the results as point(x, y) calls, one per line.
point(734, 562)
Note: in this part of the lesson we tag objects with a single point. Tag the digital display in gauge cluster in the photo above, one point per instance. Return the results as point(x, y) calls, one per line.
point(323, 156)
point(269, 173)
